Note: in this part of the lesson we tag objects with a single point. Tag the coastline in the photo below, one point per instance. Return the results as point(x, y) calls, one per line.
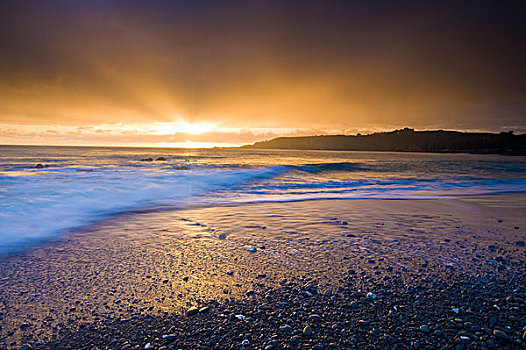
point(128, 280)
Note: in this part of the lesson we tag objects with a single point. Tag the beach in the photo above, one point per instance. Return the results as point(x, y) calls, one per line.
point(342, 274)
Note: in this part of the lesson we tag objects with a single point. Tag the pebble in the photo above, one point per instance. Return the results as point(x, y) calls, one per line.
point(314, 317)
point(501, 335)
point(456, 310)
point(371, 295)
point(204, 310)
point(285, 328)
point(424, 329)
point(148, 346)
point(245, 342)
point(169, 337)
point(252, 249)
point(307, 330)
point(25, 347)
point(192, 311)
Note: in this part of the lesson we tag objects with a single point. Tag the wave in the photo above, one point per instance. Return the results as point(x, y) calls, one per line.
point(51, 202)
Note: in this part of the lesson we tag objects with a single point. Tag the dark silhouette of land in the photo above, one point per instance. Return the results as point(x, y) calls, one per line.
point(406, 140)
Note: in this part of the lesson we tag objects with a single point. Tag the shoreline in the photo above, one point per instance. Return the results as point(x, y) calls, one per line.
point(114, 281)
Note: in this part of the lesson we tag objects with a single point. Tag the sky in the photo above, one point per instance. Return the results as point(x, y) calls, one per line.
point(206, 73)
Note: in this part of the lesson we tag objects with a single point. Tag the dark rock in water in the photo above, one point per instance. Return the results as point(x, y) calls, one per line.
point(192, 311)
point(39, 166)
point(181, 167)
point(307, 330)
point(25, 347)
point(147, 160)
point(520, 243)
point(250, 293)
point(424, 329)
point(160, 158)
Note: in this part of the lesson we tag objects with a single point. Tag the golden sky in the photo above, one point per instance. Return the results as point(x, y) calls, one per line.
point(231, 72)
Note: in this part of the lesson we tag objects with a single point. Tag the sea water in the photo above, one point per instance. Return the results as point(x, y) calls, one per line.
point(78, 186)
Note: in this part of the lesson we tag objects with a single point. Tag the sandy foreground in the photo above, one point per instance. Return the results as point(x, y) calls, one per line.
point(343, 274)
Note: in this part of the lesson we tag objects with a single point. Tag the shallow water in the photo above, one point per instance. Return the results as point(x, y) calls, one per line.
point(80, 185)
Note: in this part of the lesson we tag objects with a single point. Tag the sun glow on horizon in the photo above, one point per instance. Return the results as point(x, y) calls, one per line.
point(182, 127)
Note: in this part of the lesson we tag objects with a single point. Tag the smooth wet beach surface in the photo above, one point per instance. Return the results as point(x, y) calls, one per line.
point(441, 272)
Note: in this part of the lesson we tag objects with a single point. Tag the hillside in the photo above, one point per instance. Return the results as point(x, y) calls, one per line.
point(406, 140)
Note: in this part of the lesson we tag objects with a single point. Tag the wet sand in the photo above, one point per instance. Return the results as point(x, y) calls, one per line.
point(442, 273)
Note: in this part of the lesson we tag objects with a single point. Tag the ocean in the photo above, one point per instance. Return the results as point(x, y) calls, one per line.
point(79, 186)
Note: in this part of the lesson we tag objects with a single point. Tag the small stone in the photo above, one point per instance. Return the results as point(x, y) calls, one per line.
point(456, 310)
point(185, 278)
point(148, 346)
point(285, 328)
point(169, 337)
point(354, 304)
point(307, 330)
point(240, 317)
point(520, 243)
point(371, 295)
point(501, 335)
point(250, 293)
point(424, 329)
point(192, 311)
point(314, 317)
point(160, 158)
point(245, 342)
point(294, 339)
point(25, 347)
point(39, 166)
point(204, 310)
point(252, 249)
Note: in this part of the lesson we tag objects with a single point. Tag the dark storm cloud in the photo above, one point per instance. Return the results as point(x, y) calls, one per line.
point(265, 63)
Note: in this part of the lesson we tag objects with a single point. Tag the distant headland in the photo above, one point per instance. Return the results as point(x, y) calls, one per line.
point(406, 140)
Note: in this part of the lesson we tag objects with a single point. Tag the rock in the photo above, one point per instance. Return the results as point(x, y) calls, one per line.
point(204, 310)
point(148, 346)
point(192, 311)
point(307, 330)
point(520, 243)
point(456, 310)
point(240, 317)
point(285, 328)
point(185, 278)
point(354, 304)
point(25, 347)
point(181, 167)
point(250, 293)
point(160, 158)
point(501, 335)
point(371, 295)
point(147, 160)
point(294, 339)
point(39, 166)
point(245, 342)
point(169, 337)
point(252, 249)
point(424, 329)
point(314, 317)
